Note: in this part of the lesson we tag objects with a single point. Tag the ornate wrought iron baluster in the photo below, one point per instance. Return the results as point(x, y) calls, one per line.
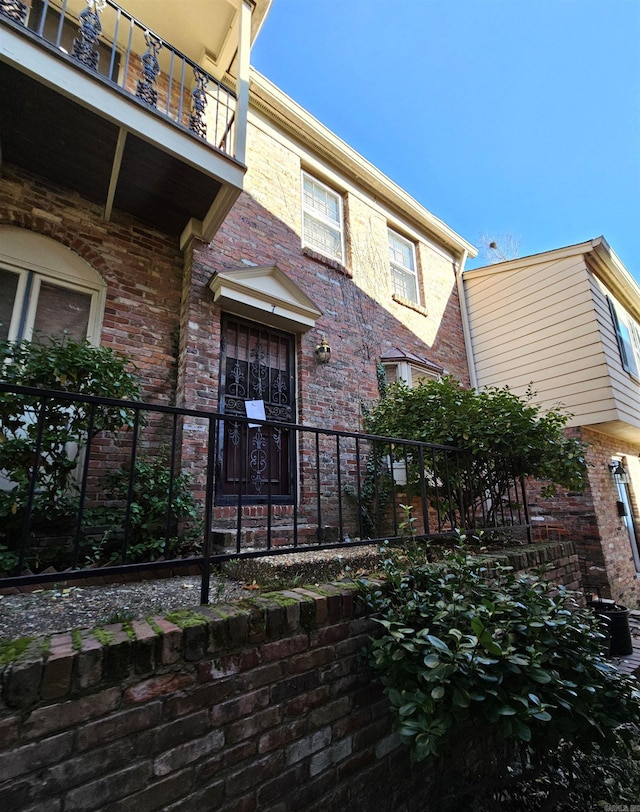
point(197, 124)
point(14, 10)
point(90, 29)
point(150, 69)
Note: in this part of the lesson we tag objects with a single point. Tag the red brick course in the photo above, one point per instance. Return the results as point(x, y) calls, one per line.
point(142, 268)
point(294, 715)
point(592, 522)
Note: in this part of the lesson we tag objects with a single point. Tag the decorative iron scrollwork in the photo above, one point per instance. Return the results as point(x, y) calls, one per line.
point(258, 460)
point(281, 389)
point(279, 413)
point(197, 124)
point(145, 89)
point(234, 434)
point(277, 438)
point(90, 29)
point(14, 10)
point(258, 371)
point(235, 377)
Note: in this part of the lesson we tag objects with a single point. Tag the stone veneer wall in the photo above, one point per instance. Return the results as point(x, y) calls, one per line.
point(264, 705)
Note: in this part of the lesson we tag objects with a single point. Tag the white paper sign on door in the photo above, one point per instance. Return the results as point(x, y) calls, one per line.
point(255, 409)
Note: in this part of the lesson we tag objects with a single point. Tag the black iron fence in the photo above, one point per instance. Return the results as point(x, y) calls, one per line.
point(118, 49)
point(93, 487)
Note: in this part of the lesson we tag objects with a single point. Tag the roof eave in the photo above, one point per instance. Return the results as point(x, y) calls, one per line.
point(299, 122)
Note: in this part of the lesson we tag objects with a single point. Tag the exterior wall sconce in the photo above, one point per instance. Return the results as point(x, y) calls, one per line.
point(618, 472)
point(323, 352)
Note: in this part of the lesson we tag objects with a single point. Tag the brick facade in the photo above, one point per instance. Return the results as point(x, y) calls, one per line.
point(360, 318)
point(592, 522)
point(142, 268)
point(262, 705)
point(160, 310)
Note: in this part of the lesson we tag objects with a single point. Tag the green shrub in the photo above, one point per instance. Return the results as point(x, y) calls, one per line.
point(149, 511)
point(513, 654)
point(505, 437)
point(67, 366)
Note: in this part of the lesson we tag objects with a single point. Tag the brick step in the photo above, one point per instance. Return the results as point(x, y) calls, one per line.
point(255, 538)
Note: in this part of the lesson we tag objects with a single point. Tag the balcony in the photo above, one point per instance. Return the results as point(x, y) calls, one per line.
point(102, 104)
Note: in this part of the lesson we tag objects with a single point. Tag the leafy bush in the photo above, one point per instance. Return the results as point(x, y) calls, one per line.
point(501, 431)
point(514, 655)
point(569, 780)
point(150, 511)
point(67, 366)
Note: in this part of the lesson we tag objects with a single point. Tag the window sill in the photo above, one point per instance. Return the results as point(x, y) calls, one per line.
point(325, 260)
point(411, 305)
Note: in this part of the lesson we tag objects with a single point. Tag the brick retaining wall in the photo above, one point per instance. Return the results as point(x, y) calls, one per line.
point(265, 705)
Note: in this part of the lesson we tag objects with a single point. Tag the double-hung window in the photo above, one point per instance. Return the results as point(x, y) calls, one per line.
point(628, 335)
point(322, 219)
point(402, 261)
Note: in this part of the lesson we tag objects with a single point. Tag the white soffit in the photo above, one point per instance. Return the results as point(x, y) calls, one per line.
point(266, 295)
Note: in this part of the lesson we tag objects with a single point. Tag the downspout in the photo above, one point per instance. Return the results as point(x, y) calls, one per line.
point(466, 329)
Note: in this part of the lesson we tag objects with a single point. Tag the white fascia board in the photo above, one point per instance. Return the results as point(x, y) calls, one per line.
point(298, 121)
point(615, 276)
point(114, 105)
point(601, 259)
point(528, 261)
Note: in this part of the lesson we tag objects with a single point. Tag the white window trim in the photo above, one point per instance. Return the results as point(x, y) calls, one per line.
point(621, 319)
point(21, 289)
point(403, 268)
point(321, 218)
point(22, 251)
point(411, 373)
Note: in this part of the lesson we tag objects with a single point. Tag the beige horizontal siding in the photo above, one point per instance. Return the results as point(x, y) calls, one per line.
point(535, 335)
point(540, 326)
point(519, 288)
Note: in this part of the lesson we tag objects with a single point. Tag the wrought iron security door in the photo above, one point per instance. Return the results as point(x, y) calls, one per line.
point(256, 464)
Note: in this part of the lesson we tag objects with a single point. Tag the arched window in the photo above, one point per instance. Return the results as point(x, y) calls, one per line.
point(46, 289)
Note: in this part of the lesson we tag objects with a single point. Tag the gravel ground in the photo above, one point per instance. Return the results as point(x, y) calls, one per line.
point(60, 609)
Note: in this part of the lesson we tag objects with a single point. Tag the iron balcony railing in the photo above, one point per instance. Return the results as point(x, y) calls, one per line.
point(94, 486)
point(119, 50)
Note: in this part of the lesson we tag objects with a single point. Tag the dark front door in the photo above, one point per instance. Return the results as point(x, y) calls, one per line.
point(257, 363)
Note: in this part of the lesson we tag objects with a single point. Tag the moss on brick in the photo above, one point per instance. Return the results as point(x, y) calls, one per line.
point(76, 639)
point(185, 618)
point(103, 637)
point(280, 599)
point(9, 652)
point(128, 629)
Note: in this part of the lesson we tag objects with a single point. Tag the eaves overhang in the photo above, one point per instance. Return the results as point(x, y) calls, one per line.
point(599, 257)
point(300, 124)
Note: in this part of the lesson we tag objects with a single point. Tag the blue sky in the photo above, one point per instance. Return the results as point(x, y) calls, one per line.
point(502, 117)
